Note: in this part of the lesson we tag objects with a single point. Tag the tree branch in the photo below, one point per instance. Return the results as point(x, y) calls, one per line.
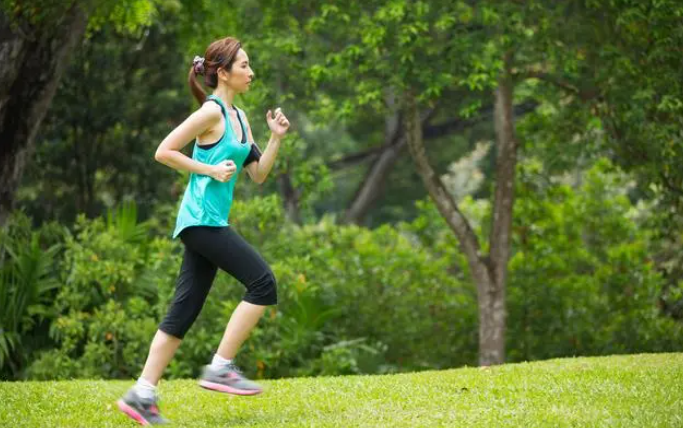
point(669, 185)
point(547, 77)
point(562, 83)
point(448, 208)
point(430, 132)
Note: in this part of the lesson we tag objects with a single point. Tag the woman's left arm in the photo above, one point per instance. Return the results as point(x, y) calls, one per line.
point(278, 124)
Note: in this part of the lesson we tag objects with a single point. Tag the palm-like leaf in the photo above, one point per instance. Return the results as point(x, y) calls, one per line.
point(25, 283)
point(124, 220)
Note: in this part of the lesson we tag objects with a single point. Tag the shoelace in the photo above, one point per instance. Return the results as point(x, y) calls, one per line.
point(234, 368)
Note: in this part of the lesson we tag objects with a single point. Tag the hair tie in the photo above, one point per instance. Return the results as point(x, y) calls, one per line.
point(198, 64)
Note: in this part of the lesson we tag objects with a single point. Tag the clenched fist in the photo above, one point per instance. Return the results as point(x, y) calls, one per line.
point(223, 171)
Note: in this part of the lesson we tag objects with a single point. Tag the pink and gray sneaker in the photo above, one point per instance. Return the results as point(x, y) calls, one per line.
point(143, 410)
point(228, 379)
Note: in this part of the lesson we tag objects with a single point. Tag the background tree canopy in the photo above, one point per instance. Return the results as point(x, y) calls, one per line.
point(464, 182)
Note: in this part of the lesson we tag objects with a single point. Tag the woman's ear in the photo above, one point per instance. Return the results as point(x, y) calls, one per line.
point(222, 74)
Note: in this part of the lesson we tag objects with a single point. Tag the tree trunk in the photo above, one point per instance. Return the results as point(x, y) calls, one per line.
point(31, 65)
point(492, 312)
point(290, 197)
point(371, 186)
point(394, 141)
point(489, 273)
point(469, 244)
point(372, 183)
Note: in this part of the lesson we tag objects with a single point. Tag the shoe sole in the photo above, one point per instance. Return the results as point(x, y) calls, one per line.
point(227, 389)
point(132, 413)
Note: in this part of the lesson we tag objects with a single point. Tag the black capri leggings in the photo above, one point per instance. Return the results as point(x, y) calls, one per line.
point(206, 250)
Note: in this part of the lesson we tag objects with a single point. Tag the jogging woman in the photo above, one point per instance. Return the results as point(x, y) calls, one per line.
point(224, 145)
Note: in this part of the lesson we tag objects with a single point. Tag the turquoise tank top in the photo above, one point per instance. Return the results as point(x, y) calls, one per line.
point(207, 201)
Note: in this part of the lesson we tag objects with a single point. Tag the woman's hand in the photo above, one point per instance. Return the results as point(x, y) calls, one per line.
point(223, 171)
point(279, 124)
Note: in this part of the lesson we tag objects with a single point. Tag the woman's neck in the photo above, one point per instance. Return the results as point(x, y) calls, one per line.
point(226, 95)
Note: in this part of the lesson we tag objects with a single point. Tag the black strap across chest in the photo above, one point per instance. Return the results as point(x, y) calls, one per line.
point(227, 119)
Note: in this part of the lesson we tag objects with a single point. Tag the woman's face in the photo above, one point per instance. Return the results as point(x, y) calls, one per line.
point(240, 76)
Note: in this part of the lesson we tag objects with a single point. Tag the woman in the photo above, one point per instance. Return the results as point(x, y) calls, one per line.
point(224, 145)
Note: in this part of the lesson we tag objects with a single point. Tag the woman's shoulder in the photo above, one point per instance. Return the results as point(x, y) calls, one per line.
point(210, 110)
point(205, 117)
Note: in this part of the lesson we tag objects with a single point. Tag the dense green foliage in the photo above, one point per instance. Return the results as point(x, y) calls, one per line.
point(87, 268)
point(355, 300)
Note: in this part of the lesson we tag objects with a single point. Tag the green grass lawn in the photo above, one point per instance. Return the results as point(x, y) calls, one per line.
point(619, 391)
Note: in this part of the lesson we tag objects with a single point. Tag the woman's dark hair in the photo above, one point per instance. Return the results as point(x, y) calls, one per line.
point(219, 54)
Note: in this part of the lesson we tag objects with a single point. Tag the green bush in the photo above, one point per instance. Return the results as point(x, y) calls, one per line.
point(109, 298)
point(354, 300)
point(582, 282)
point(27, 284)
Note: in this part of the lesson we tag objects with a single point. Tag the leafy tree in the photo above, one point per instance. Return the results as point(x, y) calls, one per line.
point(38, 38)
point(98, 141)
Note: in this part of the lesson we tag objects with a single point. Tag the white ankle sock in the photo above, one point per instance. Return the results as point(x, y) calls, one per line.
point(219, 361)
point(144, 388)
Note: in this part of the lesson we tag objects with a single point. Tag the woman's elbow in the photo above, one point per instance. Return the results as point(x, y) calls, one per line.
point(258, 178)
point(161, 156)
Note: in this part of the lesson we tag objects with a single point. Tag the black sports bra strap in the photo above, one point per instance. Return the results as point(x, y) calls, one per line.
point(244, 130)
point(220, 104)
point(227, 118)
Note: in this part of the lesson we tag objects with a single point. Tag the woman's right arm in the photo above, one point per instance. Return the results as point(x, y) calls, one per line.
point(199, 122)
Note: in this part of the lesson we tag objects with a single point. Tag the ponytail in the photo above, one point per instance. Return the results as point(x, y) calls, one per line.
point(196, 87)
